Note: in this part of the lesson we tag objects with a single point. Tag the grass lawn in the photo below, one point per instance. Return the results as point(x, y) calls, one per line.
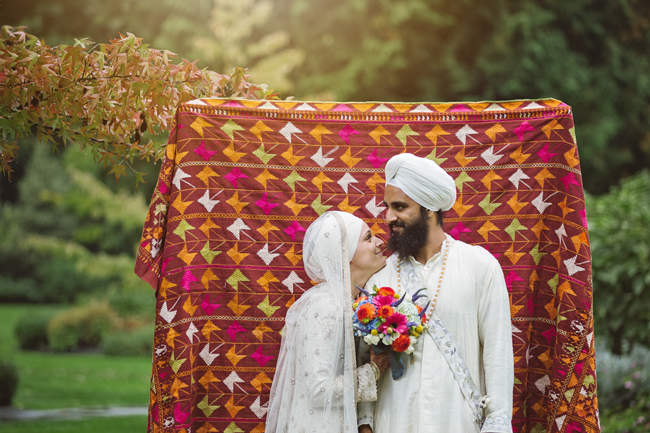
point(51, 381)
point(95, 425)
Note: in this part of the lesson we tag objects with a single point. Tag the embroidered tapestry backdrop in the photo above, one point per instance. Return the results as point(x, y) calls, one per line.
point(241, 182)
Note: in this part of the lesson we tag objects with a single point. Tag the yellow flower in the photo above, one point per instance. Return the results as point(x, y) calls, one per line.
point(419, 328)
point(396, 296)
point(355, 305)
point(374, 332)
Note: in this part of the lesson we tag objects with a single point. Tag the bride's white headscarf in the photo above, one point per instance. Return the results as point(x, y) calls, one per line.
point(314, 387)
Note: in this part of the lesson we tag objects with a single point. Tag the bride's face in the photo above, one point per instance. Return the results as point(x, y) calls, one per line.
point(368, 257)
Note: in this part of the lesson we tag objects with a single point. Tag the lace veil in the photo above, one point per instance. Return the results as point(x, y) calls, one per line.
point(314, 388)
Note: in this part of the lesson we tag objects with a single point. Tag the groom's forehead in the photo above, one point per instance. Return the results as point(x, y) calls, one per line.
point(394, 196)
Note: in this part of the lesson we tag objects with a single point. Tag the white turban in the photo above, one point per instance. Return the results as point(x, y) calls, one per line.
point(424, 181)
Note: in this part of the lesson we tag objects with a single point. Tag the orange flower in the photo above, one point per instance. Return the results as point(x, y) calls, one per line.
point(361, 298)
point(366, 312)
point(424, 317)
point(385, 311)
point(385, 291)
point(401, 343)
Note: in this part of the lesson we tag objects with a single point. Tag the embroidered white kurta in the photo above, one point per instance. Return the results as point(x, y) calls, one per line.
point(473, 303)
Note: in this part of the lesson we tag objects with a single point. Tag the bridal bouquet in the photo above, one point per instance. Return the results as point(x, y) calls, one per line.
point(387, 321)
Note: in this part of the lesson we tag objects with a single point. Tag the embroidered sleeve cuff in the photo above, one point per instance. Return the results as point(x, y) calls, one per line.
point(367, 386)
point(365, 420)
point(365, 411)
point(497, 422)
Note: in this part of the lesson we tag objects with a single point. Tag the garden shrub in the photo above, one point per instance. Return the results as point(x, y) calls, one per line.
point(136, 342)
point(624, 390)
point(80, 327)
point(634, 419)
point(31, 330)
point(622, 379)
point(8, 382)
point(620, 249)
point(14, 290)
point(133, 303)
point(63, 282)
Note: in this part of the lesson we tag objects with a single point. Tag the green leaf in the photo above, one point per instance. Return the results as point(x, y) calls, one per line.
point(81, 42)
point(119, 170)
point(139, 178)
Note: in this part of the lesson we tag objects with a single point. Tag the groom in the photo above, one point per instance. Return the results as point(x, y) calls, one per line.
point(460, 378)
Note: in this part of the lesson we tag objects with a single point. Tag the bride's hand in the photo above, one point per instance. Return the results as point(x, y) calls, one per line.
point(382, 360)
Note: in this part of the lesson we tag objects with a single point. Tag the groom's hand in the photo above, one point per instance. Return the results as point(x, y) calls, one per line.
point(365, 429)
point(382, 360)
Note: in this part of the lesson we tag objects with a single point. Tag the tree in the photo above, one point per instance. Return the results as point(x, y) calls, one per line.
point(620, 247)
point(172, 25)
point(67, 234)
point(592, 54)
point(240, 36)
point(115, 100)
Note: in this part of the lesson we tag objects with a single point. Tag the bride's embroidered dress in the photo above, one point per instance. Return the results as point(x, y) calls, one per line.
point(317, 383)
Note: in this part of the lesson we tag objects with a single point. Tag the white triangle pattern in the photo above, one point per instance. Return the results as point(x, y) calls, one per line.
point(489, 156)
point(495, 107)
point(208, 356)
point(269, 106)
point(191, 330)
point(291, 280)
point(265, 255)
point(421, 109)
point(382, 109)
point(305, 107)
point(532, 106)
point(374, 208)
point(207, 202)
point(258, 409)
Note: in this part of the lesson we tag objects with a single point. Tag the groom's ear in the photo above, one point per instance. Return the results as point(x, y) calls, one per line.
point(435, 214)
point(439, 217)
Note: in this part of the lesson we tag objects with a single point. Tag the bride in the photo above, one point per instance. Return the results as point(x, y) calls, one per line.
point(317, 381)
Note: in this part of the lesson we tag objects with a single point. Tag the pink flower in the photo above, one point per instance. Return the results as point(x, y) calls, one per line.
point(383, 300)
point(397, 321)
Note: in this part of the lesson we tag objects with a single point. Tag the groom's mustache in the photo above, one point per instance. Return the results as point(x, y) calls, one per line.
point(396, 223)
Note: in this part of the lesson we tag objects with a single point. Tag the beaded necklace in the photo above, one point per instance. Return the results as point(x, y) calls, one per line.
point(442, 274)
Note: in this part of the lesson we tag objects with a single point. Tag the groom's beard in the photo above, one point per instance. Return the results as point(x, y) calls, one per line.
point(413, 237)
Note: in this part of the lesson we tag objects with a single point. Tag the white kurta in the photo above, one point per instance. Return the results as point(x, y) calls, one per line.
point(473, 304)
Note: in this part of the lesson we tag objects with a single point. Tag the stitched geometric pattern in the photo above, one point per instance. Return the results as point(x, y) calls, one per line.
point(242, 180)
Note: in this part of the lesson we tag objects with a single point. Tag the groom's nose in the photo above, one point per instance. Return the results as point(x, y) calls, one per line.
point(390, 216)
